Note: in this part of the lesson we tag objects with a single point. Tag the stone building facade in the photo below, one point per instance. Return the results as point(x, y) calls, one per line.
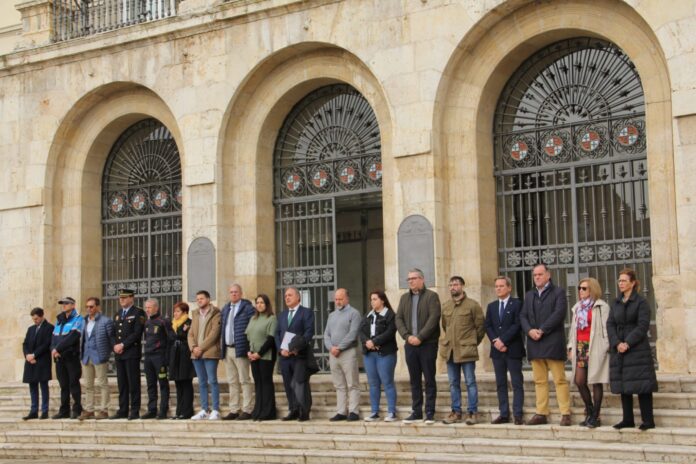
point(223, 77)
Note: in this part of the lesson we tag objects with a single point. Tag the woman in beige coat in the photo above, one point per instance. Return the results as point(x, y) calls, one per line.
point(588, 347)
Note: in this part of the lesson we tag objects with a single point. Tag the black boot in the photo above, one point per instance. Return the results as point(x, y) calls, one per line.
point(594, 420)
point(588, 415)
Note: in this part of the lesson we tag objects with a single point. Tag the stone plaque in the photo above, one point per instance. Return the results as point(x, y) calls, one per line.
point(416, 249)
point(201, 267)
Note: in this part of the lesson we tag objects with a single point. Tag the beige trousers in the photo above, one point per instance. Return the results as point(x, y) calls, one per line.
point(239, 380)
point(540, 373)
point(90, 372)
point(344, 374)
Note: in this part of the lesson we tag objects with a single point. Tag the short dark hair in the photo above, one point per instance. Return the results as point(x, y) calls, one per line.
point(181, 305)
point(459, 278)
point(204, 293)
point(37, 312)
point(97, 301)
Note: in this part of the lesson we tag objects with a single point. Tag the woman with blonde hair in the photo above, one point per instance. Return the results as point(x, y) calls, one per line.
point(588, 348)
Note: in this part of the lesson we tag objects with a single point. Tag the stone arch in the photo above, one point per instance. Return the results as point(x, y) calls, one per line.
point(463, 127)
point(73, 179)
point(249, 130)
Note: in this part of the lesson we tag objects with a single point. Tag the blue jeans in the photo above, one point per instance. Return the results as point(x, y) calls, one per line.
point(454, 375)
point(34, 393)
point(380, 371)
point(206, 370)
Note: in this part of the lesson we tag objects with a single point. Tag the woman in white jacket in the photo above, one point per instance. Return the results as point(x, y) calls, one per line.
point(588, 348)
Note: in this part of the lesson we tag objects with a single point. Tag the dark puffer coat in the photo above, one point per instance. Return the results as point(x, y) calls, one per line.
point(632, 372)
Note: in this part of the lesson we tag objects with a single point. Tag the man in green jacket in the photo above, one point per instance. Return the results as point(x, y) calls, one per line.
point(418, 322)
point(463, 329)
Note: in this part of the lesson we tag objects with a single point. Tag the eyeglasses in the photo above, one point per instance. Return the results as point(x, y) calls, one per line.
point(91, 306)
point(413, 278)
point(582, 288)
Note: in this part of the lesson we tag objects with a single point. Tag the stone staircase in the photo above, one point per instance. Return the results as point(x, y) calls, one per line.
point(321, 441)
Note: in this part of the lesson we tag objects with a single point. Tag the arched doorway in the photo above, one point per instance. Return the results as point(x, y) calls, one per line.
point(328, 201)
point(571, 168)
point(141, 217)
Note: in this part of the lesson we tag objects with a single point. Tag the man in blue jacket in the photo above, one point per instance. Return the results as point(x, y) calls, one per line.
point(65, 350)
point(298, 320)
point(542, 318)
point(507, 349)
point(233, 351)
point(97, 340)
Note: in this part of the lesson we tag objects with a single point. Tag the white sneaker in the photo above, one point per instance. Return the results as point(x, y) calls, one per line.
point(391, 417)
point(215, 415)
point(372, 418)
point(200, 416)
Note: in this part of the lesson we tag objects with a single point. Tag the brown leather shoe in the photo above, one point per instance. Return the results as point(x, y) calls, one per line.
point(565, 420)
point(244, 416)
point(519, 420)
point(537, 419)
point(86, 415)
point(101, 415)
point(500, 420)
point(453, 418)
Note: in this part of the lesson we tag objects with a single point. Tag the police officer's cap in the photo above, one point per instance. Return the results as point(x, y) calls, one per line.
point(125, 292)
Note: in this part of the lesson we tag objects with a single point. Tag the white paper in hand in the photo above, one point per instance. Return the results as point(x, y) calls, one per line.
point(285, 344)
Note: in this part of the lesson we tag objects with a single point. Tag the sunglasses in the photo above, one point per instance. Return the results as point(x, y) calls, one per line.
point(582, 288)
point(90, 306)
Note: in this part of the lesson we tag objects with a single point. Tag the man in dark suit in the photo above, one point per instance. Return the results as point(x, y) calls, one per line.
point(542, 318)
point(507, 349)
point(128, 334)
point(297, 320)
point(37, 365)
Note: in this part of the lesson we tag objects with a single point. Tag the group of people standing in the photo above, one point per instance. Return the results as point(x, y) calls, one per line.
point(606, 344)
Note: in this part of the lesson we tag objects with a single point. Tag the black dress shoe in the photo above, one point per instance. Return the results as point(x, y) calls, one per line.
point(61, 415)
point(303, 418)
point(149, 415)
point(624, 425)
point(31, 415)
point(338, 417)
point(291, 416)
point(118, 416)
point(647, 426)
point(519, 420)
point(501, 420)
point(244, 416)
point(162, 416)
point(134, 417)
point(231, 416)
point(44, 415)
point(352, 417)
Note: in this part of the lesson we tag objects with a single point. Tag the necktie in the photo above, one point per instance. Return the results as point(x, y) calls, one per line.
point(230, 326)
point(291, 314)
point(124, 312)
point(501, 311)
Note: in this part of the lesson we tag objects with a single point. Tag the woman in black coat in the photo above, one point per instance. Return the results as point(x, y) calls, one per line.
point(181, 369)
point(631, 366)
point(37, 364)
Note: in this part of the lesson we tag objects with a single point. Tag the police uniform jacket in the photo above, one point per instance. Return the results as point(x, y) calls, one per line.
point(156, 328)
point(129, 331)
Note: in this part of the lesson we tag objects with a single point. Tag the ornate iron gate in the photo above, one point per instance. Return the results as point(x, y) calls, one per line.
point(141, 217)
point(329, 146)
point(571, 168)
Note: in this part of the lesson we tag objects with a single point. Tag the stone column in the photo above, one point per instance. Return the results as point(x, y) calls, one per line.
point(37, 22)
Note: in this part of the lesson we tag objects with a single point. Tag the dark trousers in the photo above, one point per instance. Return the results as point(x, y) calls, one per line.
point(297, 388)
point(420, 361)
point(68, 372)
point(128, 377)
point(264, 405)
point(502, 366)
point(34, 394)
point(184, 398)
point(156, 373)
point(645, 401)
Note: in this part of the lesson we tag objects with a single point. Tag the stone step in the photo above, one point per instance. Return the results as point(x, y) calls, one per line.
point(78, 454)
point(263, 445)
point(19, 431)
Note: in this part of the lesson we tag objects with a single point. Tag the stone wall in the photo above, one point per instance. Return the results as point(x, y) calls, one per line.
point(223, 76)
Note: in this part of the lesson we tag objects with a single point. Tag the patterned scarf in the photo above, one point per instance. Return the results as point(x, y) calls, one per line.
point(176, 323)
point(581, 316)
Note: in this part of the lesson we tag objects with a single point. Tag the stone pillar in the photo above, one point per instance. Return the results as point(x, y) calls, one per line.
point(37, 22)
